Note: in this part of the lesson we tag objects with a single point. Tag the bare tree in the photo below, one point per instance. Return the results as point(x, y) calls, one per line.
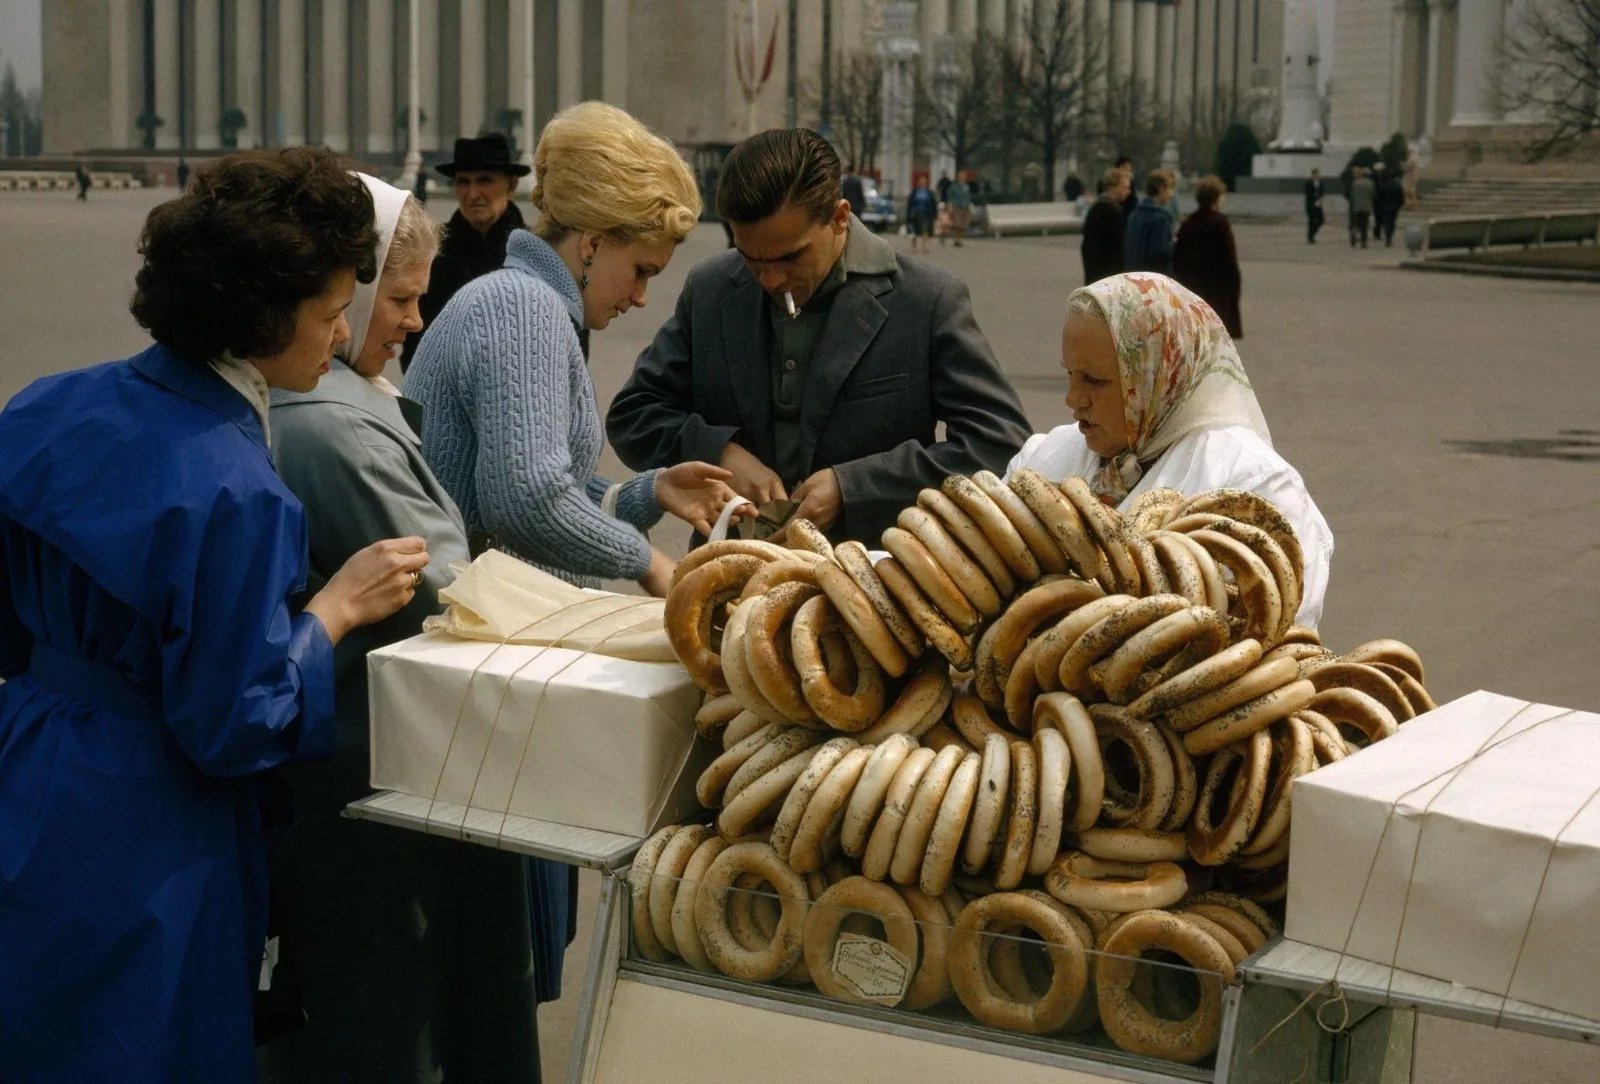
point(956, 101)
point(855, 103)
point(1210, 118)
point(1549, 66)
point(1132, 121)
point(1059, 57)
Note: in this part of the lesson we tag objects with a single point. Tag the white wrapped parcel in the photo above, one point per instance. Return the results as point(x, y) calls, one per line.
point(1465, 848)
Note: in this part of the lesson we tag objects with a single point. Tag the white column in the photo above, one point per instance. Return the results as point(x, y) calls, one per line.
point(1146, 47)
point(291, 108)
point(205, 82)
point(166, 30)
point(335, 72)
point(428, 69)
point(120, 113)
point(569, 52)
point(966, 22)
point(1478, 29)
point(1100, 45)
point(1167, 57)
point(519, 75)
point(474, 68)
point(380, 76)
point(1121, 39)
point(614, 46)
point(1226, 46)
point(1436, 12)
point(993, 17)
point(247, 71)
point(412, 164)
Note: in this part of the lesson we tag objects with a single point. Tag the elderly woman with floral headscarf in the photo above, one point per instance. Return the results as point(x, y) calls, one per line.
point(1160, 398)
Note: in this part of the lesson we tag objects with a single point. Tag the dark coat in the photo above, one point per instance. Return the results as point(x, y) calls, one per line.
point(464, 256)
point(899, 354)
point(1205, 260)
point(1102, 240)
point(1314, 193)
point(1147, 240)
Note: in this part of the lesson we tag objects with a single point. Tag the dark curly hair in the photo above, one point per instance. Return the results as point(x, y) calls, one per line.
point(227, 264)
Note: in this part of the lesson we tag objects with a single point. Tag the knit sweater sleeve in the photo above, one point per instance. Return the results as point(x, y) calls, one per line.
point(636, 499)
point(529, 490)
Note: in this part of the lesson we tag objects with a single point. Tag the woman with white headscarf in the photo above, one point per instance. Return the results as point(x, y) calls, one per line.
point(1159, 398)
point(413, 954)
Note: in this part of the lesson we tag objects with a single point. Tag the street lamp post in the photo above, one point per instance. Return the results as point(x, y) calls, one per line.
point(413, 161)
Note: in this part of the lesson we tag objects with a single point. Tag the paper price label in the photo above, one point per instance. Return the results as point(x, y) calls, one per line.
point(871, 968)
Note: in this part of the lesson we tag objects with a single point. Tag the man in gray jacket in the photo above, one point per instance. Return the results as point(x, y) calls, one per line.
point(815, 362)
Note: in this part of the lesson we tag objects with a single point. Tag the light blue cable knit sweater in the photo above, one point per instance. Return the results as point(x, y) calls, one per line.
point(510, 425)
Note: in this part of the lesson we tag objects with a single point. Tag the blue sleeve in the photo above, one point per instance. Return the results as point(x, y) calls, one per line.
point(15, 640)
point(529, 491)
point(247, 685)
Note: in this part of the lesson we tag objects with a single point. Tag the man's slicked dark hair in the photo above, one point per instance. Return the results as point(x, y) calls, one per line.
point(783, 167)
point(227, 264)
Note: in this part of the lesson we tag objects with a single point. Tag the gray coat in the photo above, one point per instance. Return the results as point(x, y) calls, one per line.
point(899, 355)
point(411, 951)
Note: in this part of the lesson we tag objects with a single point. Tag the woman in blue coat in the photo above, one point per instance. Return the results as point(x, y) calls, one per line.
point(153, 662)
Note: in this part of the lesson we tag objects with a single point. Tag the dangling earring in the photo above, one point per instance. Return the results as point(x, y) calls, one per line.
point(583, 280)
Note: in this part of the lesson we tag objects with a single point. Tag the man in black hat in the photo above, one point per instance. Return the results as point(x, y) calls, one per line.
point(485, 178)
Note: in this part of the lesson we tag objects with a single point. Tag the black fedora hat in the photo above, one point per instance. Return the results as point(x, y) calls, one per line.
point(488, 152)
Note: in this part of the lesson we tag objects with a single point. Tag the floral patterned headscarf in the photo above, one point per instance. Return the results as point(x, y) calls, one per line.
point(1180, 371)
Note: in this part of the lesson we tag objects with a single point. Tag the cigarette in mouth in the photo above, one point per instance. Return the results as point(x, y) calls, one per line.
point(788, 303)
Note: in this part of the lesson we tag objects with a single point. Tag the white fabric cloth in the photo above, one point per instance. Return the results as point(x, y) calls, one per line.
point(247, 380)
point(387, 203)
point(1231, 456)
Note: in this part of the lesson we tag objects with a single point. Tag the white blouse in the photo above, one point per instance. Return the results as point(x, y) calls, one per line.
point(1225, 456)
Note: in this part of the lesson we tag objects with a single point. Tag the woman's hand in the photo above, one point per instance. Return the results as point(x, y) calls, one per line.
point(695, 492)
point(372, 585)
point(659, 576)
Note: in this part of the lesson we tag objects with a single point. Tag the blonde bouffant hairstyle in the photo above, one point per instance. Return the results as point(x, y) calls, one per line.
point(598, 170)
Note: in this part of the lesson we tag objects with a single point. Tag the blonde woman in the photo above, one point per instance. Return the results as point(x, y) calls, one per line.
point(413, 955)
point(513, 429)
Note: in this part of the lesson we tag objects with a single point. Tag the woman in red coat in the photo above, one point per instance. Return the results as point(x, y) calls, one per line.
point(1204, 258)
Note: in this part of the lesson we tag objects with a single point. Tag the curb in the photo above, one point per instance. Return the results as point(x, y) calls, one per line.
point(1547, 274)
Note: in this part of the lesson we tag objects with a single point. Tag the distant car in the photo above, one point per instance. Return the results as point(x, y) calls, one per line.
point(879, 213)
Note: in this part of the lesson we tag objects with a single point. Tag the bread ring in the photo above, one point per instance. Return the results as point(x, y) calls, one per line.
point(1412, 688)
point(1110, 633)
point(911, 846)
point(1240, 928)
point(1060, 637)
point(1064, 712)
point(1151, 509)
point(1262, 886)
point(807, 851)
point(1004, 640)
point(711, 913)
point(879, 854)
point(684, 935)
point(768, 655)
point(689, 610)
point(1056, 511)
point(1157, 780)
point(857, 562)
point(1213, 841)
point(1016, 979)
point(964, 572)
point(1022, 689)
point(823, 760)
point(1301, 653)
point(1354, 709)
point(1023, 809)
point(713, 781)
point(942, 736)
point(666, 878)
point(716, 712)
point(736, 665)
point(762, 797)
point(859, 613)
point(931, 983)
point(989, 806)
point(1258, 590)
point(855, 896)
point(997, 528)
point(949, 826)
point(1327, 743)
point(804, 536)
point(1133, 1026)
point(1218, 933)
point(1249, 717)
point(852, 711)
point(1108, 530)
point(729, 547)
point(1216, 593)
point(1197, 627)
point(944, 637)
point(1293, 755)
point(1046, 552)
point(639, 879)
point(1274, 856)
point(1252, 508)
point(1152, 577)
point(1132, 845)
point(785, 743)
point(1053, 761)
point(1104, 885)
point(975, 986)
point(1263, 546)
point(1257, 681)
point(1186, 782)
point(971, 719)
point(867, 798)
point(741, 726)
point(1249, 910)
point(931, 579)
point(798, 569)
point(921, 703)
point(1368, 679)
point(973, 541)
point(1180, 567)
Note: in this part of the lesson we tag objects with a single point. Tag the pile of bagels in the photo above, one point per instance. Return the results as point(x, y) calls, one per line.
point(1038, 746)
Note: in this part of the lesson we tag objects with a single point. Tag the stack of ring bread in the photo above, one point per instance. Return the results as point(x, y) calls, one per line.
point(1090, 718)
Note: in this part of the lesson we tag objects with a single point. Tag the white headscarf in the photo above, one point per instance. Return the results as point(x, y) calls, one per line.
point(387, 203)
